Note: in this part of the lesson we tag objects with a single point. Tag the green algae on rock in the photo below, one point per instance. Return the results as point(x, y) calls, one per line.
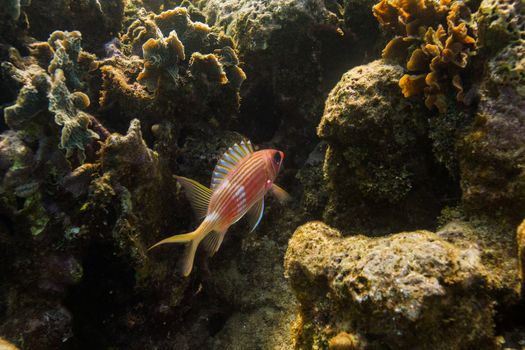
point(399, 289)
point(499, 23)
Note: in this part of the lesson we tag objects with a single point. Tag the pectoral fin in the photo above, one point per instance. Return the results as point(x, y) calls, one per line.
point(255, 214)
point(280, 194)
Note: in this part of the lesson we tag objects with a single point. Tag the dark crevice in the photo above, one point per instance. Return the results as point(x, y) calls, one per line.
point(102, 294)
point(258, 115)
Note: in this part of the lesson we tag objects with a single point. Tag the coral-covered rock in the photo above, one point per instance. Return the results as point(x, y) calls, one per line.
point(361, 25)
point(31, 100)
point(314, 185)
point(13, 8)
point(344, 341)
point(5, 345)
point(38, 326)
point(21, 198)
point(190, 71)
point(292, 51)
point(375, 163)
point(393, 291)
point(500, 22)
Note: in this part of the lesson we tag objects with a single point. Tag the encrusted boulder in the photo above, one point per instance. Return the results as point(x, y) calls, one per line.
point(492, 151)
point(392, 291)
point(500, 22)
point(378, 160)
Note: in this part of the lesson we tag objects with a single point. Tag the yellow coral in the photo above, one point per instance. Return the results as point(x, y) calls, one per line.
point(208, 67)
point(344, 341)
point(435, 42)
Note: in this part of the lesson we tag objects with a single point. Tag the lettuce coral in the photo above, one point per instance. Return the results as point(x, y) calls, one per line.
point(49, 92)
point(171, 40)
point(435, 41)
point(66, 47)
point(31, 100)
point(67, 107)
point(161, 57)
point(171, 65)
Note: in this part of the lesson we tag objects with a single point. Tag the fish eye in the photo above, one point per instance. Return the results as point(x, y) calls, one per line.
point(277, 157)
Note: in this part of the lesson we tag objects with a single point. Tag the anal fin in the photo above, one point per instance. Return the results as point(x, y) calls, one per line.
point(212, 242)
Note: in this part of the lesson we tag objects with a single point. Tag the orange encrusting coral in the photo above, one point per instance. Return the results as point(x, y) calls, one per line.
point(435, 42)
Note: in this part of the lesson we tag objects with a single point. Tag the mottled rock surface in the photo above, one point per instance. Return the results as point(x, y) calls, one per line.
point(378, 161)
point(492, 153)
point(390, 291)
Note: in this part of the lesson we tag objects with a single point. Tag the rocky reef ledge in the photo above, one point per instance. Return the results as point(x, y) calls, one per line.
point(407, 290)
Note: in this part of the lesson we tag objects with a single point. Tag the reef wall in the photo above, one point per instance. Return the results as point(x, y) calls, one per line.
point(403, 126)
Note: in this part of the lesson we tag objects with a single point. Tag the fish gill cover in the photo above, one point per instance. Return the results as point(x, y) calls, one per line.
point(407, 173)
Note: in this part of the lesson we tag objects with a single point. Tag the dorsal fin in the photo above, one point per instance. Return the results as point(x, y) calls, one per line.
point(229, 159)
point(198, 195)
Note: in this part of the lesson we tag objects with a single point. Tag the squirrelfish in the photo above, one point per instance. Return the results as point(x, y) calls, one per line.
point(240, 180)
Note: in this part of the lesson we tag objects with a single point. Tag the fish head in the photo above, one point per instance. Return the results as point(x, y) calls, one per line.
point(274, 160)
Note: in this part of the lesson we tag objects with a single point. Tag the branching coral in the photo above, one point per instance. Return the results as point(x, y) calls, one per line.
point(435, 42)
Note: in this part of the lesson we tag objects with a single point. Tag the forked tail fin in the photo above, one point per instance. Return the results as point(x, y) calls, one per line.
point(193, 239)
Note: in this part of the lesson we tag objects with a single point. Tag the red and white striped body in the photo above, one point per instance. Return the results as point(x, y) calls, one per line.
point(245, 185)
point(240, 180)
